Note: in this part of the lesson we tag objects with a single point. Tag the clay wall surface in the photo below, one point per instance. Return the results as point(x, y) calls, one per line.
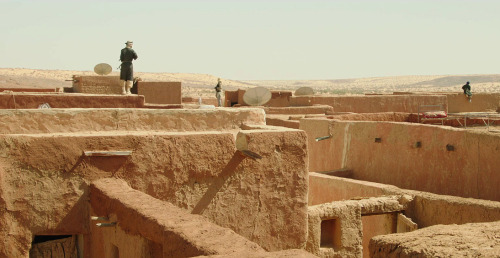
point(386, 116)
point(425, 209)
point(31, 121)
point(45, 177)
point(449, 161)
point(469, 240)
point(164, 106)
point(204, 101)
point(325, 188)
point(279, 99)
point(290, 253)
point(97, 84)
point(275, 116)
point(371, 104)
point(231, 98)
point(324, 155)
point(336, 229)
point(429, 209)
point(160, 92)
point(279, 120)
point(481, 102)
point(319, 109)
point(28, 90)
point(173, 231)
point(68, 100)
point(376, 225)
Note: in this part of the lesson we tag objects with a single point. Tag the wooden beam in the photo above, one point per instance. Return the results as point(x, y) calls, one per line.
point(107, 153)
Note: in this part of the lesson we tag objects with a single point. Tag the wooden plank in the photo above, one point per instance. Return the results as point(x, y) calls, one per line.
point(107, 153)
point(405, 224)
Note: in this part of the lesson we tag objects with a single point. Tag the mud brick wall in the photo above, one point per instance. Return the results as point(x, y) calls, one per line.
point(161, 225)
point(28, 90)
point(231, 97)
point(280, 99)
point(34, 121)
point(481, 102)
point(160, 92)
point(68, 100)
point(45, 181)
point(97, 84)
point(372, 104)
point(469, 169)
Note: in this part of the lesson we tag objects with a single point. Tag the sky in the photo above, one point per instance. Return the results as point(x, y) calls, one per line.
point(256, 40)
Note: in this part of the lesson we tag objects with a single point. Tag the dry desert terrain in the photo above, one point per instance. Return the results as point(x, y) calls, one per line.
point(202, 84)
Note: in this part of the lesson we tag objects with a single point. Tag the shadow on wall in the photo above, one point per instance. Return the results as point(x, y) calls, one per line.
point(218, 183)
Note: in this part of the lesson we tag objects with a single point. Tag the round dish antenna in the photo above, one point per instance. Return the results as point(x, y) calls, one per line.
point(304, 91)
point(103, 69)
point(257, 96)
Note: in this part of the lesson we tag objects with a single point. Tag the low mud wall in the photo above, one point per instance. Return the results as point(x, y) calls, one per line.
point(343, 228)
point(87, 120)
point(45, 177)
point(425, 209)
point(68, 100)
point(168, 230)
point(29, 90)
point(429, 209)
point(435, 159)
point(371, 104)
point(481, 102)
point(319, 109)
point(97, 84)
point(327, 193)
point(160, 92)
point(386, 116)
point(325, 188)
point(282, 121)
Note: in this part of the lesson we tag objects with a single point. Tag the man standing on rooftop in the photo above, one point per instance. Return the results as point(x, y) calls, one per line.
point(218, 92)
point(126, 68)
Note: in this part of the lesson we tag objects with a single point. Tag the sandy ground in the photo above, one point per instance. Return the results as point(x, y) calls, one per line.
point(202, 84)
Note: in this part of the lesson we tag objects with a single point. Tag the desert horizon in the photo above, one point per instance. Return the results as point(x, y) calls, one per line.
point(195, 85)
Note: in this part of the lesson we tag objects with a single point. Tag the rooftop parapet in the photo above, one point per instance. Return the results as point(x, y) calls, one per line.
point(33, 121)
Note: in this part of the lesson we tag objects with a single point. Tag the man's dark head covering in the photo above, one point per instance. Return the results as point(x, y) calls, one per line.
point(467, 83)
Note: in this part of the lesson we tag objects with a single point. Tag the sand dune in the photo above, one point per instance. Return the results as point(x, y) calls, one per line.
point(202, 84)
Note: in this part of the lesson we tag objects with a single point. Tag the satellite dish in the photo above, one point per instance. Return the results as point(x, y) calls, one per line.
point(303, 91)
point(257, 96)
point(103, 69)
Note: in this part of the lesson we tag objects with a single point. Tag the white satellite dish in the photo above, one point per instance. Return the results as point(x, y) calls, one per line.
point(257, 96)
point(103, 69)
point(304, 91)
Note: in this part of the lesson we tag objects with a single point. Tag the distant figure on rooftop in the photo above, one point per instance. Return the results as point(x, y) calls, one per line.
point(126, 68)
point(218, 92)
point(467, 91)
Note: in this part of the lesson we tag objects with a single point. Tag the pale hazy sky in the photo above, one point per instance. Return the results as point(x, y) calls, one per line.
point(256, 39)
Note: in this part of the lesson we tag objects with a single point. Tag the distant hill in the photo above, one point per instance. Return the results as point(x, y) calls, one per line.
point(415, 83)
point(31, 78)
point(202, 84)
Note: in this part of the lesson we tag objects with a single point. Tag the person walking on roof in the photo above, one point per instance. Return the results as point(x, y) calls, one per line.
point(126, 68)
point(467, 91)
